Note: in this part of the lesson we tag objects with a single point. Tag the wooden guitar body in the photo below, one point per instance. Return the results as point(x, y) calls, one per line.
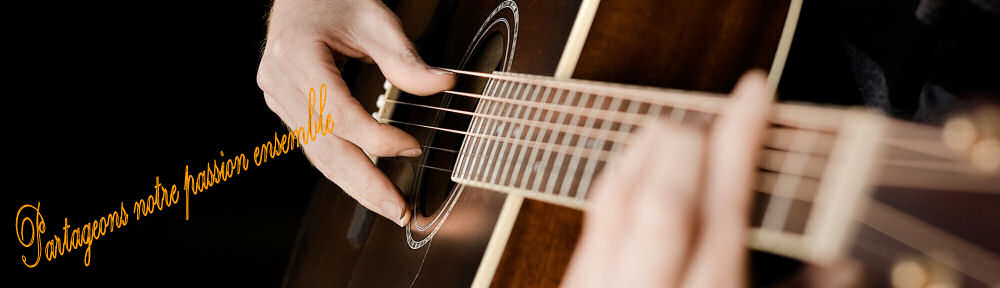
point(462, 235)
point(445, 33)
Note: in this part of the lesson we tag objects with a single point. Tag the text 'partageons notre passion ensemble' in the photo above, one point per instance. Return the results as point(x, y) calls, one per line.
point(31, 226)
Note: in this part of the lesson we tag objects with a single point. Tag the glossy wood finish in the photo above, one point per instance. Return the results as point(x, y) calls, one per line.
point(449, 260)
point(540, 246)
point(699, 45)
point(694, 45)
point(442, 31)
point(627, 43)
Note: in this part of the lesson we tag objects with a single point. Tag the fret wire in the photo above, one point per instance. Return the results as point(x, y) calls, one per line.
point(516, 130)
point(516, 170)
point(504, 113)
point(551, 147)
point(591, 167)
point(491, 129)
point(551, 136)
point(677, 114)
point(536, 172)
point(787, 115)
point(534, 123)
point(582, 142)
point(614, 141)
point(777, 212)
point(483, 128)
point(583, 86)
point(468, 142)
point(618, 143)
point(460, 163)
point(575, 120)
point(766, 180)
point(517, 113)
point(490, 170)
point(561, 148)
point(562, 108)
point(617, 116)
point(620, 117)
point(557, 165)
point(658, 111)
point(603, 158)
point(706, 104)
point(484, 146)
point(509, 128)
point(475, 152)
point(657, 108)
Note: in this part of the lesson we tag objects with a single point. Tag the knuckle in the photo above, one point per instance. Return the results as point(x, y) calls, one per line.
point(273, 105)
point(409, 56)
point(263, 77)
point(275, 46)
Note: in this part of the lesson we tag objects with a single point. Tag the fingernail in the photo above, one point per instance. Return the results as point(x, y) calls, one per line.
point(412, 152)
point(392, 211)
point(439, 72)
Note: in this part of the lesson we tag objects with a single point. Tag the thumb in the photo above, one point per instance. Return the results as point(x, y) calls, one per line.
point(382, 38)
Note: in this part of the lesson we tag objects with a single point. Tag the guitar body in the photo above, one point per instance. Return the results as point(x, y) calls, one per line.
point(700, 45)
point(377, 254)
point(690, 45)
point(462, 235)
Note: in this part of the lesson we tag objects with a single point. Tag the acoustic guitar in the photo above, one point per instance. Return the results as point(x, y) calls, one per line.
point(550, 90)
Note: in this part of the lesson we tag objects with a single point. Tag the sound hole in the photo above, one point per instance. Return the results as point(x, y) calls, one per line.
point(433, 187)
point(436, 187)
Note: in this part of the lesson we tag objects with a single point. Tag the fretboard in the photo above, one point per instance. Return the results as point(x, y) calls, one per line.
point(547, 139)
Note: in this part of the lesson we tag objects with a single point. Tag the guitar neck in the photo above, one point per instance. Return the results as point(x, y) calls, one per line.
point(547, 138)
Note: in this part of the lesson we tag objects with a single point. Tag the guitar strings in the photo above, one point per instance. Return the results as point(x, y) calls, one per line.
point(578, 130)
point(396, 159)
point(807, 196)
point(801, 116)
point(601, 155)
point(927, 238)
point(630, 119)
point(920, 235)
point(771, 155)
point(440, 149)
point(703, 102)
point(625, 119)
point(590, 133)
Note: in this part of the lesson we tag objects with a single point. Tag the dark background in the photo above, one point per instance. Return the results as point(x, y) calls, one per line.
point(102, 97)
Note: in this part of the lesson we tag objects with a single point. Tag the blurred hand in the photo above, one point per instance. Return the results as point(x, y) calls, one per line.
point(306, 39)
point(672, 210)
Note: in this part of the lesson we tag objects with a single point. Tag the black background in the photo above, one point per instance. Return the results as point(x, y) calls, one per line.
point(100, 98)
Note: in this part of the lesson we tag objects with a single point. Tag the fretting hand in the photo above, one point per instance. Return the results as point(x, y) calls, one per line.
point(672, 210)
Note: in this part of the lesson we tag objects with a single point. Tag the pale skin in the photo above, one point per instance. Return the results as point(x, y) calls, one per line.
point(671, 211)
point(305, 41)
